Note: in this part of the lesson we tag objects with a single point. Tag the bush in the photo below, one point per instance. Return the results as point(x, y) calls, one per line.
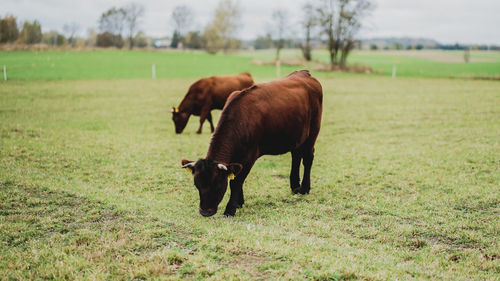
point(108, 39)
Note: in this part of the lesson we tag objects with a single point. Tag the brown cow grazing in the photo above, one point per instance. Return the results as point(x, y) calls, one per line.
point(206, 94)
point(271, 118)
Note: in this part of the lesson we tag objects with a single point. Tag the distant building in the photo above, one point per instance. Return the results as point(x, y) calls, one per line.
point(161, 43)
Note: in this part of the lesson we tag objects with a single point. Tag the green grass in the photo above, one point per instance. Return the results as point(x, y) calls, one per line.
point(28, 65)
point(404, 186)
point(408, 66)
point(420, 67)
point(112, 64)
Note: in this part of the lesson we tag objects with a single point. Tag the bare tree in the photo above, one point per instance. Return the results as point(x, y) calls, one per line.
point(326, 20)
point(113, 21)
point(182, 16)
point(308, 22)
point(219, 33)
point(133, 13)
point(350, 16)
point(91, 37)
point(340, 20)
point(280, 22)
point(70, 29)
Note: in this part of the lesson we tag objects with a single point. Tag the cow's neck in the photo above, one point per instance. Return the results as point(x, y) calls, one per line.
point(186, 105)
point(222, 148)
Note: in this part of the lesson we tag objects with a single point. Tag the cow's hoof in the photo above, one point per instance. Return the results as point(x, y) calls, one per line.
point(304, 190)
point(240, 204)
point(301, 190)
point(230, 213)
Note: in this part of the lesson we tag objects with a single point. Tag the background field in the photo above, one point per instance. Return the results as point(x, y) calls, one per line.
point(404, 185)
point(428, 63)
point(105, 64)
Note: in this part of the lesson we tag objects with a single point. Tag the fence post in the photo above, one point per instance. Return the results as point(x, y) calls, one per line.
point(153, 70)
point(4, 72)
point(393, 71)
point(278, 70)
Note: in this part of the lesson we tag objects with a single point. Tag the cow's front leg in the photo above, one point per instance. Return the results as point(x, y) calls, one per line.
point(201, 125)
point(203, 115)
point(209, 117)
point(241, 200)
point(236, 199)
point(232, 205)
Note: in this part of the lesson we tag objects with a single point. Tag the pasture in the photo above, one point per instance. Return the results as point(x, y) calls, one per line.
point(112, 64)
point(422, 63)
point(404, 186)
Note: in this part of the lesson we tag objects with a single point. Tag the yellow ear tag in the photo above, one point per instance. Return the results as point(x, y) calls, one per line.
point(176, 110)
point(230, 176)
point(189, 170)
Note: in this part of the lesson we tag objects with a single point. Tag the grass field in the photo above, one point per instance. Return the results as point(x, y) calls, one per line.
point(412, 63)
point(111, 64)
point(405, 184)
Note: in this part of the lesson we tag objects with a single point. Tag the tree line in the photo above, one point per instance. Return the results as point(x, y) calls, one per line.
point(333, 23)
point(30, 33)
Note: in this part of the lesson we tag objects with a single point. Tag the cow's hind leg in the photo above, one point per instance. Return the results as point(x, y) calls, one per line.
point(308, 153)
point(294, 173)
point(307, 161)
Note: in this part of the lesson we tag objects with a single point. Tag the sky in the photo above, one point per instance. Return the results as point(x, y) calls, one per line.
point(447, 21)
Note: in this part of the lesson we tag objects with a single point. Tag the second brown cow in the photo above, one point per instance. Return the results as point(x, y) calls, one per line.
point(206, 94)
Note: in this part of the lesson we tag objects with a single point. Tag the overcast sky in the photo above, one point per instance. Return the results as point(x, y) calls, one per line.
point(448, 21)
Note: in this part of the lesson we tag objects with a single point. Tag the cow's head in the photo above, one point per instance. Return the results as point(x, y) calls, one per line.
point(180, 119)
point(210, 178)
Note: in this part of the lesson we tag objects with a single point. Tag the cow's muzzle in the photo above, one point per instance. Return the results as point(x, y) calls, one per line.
point(208, 212)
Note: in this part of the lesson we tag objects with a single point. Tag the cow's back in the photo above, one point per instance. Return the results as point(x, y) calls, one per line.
point(213, 91)
point(223, 86)
point(277, 116)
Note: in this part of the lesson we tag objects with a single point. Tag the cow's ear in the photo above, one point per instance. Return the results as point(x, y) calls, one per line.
point(188, 165)
point(234, 169)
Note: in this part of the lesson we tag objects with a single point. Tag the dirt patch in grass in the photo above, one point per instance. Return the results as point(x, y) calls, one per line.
point(317, 65)
point(249, 263)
